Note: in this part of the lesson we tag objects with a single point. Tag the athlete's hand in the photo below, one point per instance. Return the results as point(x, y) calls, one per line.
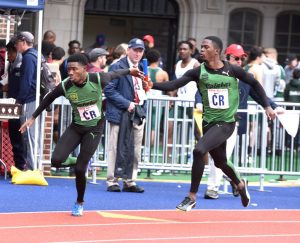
point(26, 125)
point(271, 114)
point(199, 107)
point(147, 84)
point(136, 73)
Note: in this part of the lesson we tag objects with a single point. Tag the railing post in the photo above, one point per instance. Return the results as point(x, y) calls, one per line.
point(263, 150)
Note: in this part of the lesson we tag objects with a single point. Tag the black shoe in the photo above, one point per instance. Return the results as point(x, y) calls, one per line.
point(186, 205)
point(135, 188)
point(245, 197)
point(114, 188)
point(235, 191)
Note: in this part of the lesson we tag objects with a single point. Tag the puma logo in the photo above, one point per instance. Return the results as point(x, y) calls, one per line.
point(93, 135)
point(226, 73)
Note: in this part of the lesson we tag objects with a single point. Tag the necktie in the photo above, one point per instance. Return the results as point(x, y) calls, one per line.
point(136, 96)
point(136, 86)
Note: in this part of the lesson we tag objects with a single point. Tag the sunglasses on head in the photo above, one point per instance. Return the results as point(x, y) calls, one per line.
point(238, 58)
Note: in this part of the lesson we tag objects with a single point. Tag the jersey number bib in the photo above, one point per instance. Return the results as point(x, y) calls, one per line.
point(88, 113)
point(218, 98)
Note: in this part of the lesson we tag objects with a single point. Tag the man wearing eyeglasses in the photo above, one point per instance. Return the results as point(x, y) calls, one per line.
point(235, 55)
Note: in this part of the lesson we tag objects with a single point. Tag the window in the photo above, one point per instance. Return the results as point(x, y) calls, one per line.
point(244, 27)
point(287, 34)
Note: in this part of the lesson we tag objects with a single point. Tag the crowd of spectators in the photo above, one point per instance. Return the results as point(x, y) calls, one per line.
point(280, 82)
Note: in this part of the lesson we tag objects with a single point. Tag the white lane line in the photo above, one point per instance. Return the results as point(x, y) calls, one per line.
point(159, 210)
point(151, 223)
point(183, 238)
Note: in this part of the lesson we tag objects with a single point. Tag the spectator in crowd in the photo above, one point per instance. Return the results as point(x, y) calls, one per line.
point(273, 83)
point(27, 92)
point(48, 44)
point(83, 90)
point(149, 43)
point(291, 63)
point(292, 94)
point(119, 52)
point(50, 36)
point(125, 97)
point(74, 47)
point(254, 67)
point(99, 43)
point(47, 50)
point(185, 63)
point(292, 90)
point(97, 58)
point(16, 138)
point(273, 74)
point(255, 59)
point(195, 51)
point(57, 54)
point(157, 75)
point(2, 57)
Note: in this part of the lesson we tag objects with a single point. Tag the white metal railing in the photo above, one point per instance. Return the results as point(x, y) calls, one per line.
point(168, 143)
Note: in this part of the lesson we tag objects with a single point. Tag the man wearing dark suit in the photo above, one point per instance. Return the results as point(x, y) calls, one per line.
point(125, 96)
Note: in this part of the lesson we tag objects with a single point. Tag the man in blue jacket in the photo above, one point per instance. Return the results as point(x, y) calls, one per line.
point(16, 138)
point(125, 95)
point(27, 93)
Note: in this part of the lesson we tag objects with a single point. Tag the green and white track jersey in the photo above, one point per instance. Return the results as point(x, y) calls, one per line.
point(220, 96)
point(86, 101)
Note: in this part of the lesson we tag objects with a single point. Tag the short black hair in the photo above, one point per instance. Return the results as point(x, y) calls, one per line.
point(58, 53)
point(80, 58)
point(185, 42)
point(290, 58)
point(72, 42)
point(10, 46)
point(217, 42)
point(255, 51)
point(296, 73)
point(153, 55)
point(47, 48)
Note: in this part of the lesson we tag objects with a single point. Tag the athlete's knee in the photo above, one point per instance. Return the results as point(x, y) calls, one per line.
point(79, 171)
point(198, 153)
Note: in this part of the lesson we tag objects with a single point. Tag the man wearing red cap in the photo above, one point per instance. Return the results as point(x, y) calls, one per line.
point(148, 41)
point(149, 44)
point(235, 55)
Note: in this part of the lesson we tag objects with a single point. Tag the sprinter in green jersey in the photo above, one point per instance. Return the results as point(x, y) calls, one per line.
point(217, 83)
point(84, 91)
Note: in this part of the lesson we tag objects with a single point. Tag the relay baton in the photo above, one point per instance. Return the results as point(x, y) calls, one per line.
point(145, 68)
